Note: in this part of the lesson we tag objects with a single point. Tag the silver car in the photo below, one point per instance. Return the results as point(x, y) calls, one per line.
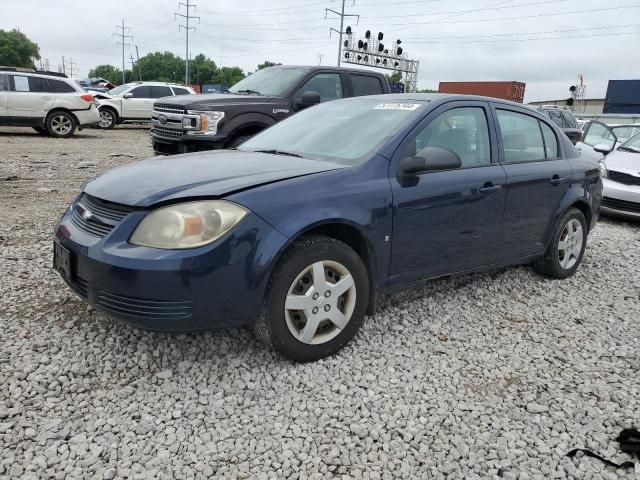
point(621, 182)
point(597, 135)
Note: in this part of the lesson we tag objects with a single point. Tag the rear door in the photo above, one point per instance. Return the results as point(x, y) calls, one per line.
point(537, 179)
point(139, 104)
point(448, 221)
point(30, 100)
point(4, 98)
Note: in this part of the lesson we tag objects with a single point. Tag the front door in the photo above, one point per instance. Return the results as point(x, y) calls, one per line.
point(537, 180)
point(448, 221)
point(137, 103)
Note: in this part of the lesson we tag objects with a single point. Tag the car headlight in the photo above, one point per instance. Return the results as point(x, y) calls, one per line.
point(208, 122)
point(187, 225)
point(603, 170)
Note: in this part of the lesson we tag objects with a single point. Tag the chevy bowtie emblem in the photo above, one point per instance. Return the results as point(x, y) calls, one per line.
point(86, 214)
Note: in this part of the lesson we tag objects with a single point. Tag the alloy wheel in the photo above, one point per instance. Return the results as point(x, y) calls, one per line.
point(106, 119)
point(320, 302)
point(61, 124)
point(570, 244)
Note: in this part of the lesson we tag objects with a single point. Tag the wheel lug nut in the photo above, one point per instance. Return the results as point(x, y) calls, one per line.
point(327, 308)
point(315, 310)
point(316, 295)
point(327, 293)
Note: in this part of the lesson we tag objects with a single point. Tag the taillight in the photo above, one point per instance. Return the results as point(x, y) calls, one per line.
point(87, 98)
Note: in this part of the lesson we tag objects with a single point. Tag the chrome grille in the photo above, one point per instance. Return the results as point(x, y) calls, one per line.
point(168, 108)
point(166, 132)
point(624, 178)
point(144, 308)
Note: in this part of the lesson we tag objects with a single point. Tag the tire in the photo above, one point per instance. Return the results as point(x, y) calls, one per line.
point(565, 252)
point(309, 333)
point(41, 130)
point(108, 118)
point(239, 140)
point(61, 124)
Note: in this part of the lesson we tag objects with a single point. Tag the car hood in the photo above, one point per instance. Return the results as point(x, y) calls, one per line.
point(201, 174)
point(207, 100)
point(622, 161)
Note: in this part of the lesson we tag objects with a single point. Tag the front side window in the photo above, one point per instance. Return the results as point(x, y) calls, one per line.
point(599, 134)
point(159, 92)
point(141, 92)
point(4, 83)
point(365, 85)
point(357, 127)
point(569, 121)
point(521, 137)
point(463, 130)
point(328, 85)
point(555, 117)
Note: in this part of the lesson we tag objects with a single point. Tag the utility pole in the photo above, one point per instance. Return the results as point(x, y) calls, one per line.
point(64, 66)
point(132, 62)
point(122, 34)
point(188, 5)
point(139, 69)
point(340, 32)
point(72, 69)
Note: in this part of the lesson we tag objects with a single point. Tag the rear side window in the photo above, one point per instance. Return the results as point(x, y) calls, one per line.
point(141, 92)
point(180, 91)
point(569, 121)
point(4, 83)
point(555, 117)
point(39, 85)
point(159, 92)
point(58, 86)
point(521, 137)
point(366, 85)
point(550, 141)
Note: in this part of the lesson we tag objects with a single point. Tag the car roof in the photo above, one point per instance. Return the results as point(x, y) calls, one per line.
point(37, 74)
point(156, 84)
point(328, 67)
point(436, 97)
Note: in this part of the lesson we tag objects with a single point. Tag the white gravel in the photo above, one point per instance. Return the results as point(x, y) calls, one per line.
point(487, 376)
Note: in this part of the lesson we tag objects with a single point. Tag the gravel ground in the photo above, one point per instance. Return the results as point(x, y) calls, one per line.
point(486, 376)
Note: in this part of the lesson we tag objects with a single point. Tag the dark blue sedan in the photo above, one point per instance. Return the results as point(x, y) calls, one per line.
point(300, 229)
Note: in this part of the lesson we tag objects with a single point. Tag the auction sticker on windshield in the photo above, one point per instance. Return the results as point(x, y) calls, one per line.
point(396, 106)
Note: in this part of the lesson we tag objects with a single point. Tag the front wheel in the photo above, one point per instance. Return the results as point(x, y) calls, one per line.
point(108, 118)
point(566, 250)
point(61, 124)
point(317, 299)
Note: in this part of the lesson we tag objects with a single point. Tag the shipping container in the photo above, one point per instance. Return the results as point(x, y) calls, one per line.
point(623, 96)
point(513, 91)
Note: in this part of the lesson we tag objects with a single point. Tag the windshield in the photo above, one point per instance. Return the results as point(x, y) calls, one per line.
point(341, 131)
point(631, 145)
point(272, 82)
point(119, 90)
point(624, 133)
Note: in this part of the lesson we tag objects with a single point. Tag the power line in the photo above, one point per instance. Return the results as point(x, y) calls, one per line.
point(532, 39)
point(340, 32)
point(123, 36)
point(187, 28)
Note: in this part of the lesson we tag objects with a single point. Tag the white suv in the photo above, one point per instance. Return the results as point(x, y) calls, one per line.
point(50, 104)
point(133, 102)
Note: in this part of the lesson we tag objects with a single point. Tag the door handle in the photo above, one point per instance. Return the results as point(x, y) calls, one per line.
point(490, 187)
point(556, 180)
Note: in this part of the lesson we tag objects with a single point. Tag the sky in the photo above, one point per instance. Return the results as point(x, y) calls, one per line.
point(545, 43)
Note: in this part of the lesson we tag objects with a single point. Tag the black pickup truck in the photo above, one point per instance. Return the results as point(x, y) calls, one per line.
point(190, 123)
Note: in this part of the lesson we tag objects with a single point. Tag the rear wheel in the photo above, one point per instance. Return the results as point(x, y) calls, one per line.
point(61, 124)
point(108, 118)
point(566, 250)
point(317, 299)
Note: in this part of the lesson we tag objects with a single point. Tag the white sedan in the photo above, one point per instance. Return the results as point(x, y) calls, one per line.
point(621, 182)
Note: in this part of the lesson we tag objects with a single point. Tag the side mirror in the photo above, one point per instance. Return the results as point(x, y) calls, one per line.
point(430, 159)
point(602, 148)
point(308, 99)
point(127, 95)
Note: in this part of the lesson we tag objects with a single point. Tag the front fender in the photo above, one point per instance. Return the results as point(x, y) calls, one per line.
point(244, 120)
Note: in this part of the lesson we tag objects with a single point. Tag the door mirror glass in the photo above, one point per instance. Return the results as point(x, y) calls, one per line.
point(602, 148)
point(308, 99)
point(430, 159)
point(128, 95)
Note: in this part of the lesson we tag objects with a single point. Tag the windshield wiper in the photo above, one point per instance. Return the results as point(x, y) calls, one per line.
point(280, 152)
point(628, 149)
point(249, 92)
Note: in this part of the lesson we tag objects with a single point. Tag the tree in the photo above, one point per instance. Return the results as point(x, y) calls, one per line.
point(267, 63)
point(17, 50)
point(426, 90)
point(229, 75)
point(395, 77)
point(162, 67)
point(109, 72)
point(202, 70)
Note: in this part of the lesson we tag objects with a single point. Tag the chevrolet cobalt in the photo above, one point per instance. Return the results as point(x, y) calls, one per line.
point(297, 231)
